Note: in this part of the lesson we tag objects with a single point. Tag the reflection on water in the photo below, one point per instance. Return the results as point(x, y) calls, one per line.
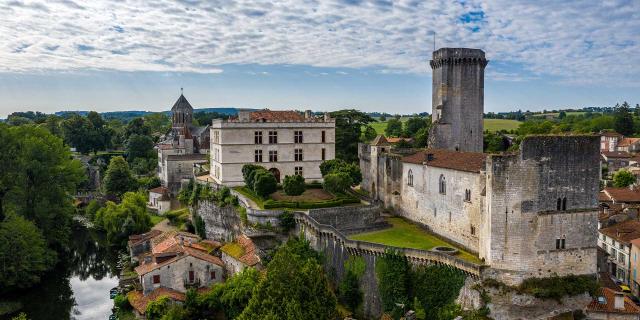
point(78, 288)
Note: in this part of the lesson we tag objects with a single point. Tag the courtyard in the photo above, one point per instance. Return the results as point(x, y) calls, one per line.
point(404, 234)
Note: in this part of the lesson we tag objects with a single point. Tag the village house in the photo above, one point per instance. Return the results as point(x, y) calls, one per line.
point(239, 255)
point(618, 204)
point(284, 142)
point(610, 304)
point(629, 145)
point(616, 242)
point(159, 200)
point(609, 140)
point(615, 160)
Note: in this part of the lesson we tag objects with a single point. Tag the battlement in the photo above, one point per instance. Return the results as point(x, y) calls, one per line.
point(455, 56)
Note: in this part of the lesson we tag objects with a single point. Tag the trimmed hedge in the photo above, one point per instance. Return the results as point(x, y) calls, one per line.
point(338, 201)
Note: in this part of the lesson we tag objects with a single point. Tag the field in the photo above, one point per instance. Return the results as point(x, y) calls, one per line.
point(404, 234)
point(489, 124)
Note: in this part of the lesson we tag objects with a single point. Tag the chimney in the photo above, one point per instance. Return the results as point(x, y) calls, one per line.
point(307, 114)
point(243, 115)
point(618, 301)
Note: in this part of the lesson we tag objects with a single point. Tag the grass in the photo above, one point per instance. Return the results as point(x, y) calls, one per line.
point(489, 124)
point(249, 194)
point(501, 124)
point(404, 234)
point(233, 249)
point(156, 219)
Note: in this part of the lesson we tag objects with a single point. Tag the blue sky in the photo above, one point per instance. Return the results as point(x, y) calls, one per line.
point(322, 55)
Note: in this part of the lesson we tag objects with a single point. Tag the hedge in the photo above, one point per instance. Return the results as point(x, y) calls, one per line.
point(341, 200)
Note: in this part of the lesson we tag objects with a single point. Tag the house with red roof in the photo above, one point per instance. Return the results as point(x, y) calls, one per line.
point(240, 254)
point(610, 304)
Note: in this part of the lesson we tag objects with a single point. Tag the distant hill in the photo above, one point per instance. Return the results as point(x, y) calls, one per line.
point(126, 115)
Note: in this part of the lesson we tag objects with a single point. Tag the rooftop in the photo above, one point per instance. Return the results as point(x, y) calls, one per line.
point(242, 249)
point(619, 194)
point(624, 231)
point(616, 154)
point(608, 304)
point(182, 104)
point(267, 115)
point(187, 157)
point(159, 190)
point(610, 134)
point(462, 161)
point(625, 142)
point(139, 301)
point(380, 140)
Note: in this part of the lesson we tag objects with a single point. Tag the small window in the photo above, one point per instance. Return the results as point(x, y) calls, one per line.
point(297, 153)
point(473, 230)
point(323, 154)
point(213, 275)
point(273, 156)
point(560, 243)
point(324, 139)
point(564, 204)
point(258, 137)
point(298, 171)
point(410, 178)
point(467, 195)
point(156, 279)
point(191, 276)
point(257, 156)
point(273, 137)
point(297, 137)
point(442, 185)
point(559, 204)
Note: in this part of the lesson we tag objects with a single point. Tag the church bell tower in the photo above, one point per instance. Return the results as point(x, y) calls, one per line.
point(457, 99)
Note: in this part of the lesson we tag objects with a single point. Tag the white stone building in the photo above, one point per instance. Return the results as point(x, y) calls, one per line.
point(159, 200)
point(284, 142)
point(616, 242)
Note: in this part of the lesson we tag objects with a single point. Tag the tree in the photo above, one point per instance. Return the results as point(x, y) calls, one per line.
point(248, 171)
point(264, 183)
point(435, 287)
point(139, 146)
point(136, 127)
point(329, 166)
point(124, 219)
point(348, 131)
point(623, 119)
point(494, 142)
point(623, 178)
point(157, 308)
point(37, 179)
point(233, 295)
point(338, 165)
point(337, 182)
point(369, 134)
point(394, 128)
point(413, 125)
point(293, 185)
point(392, 272)
point(118, 178)
point(158, 122)
point(421, 139)
point(88, 134)
point(295, 287)
point(562, 115)
point(24, 255)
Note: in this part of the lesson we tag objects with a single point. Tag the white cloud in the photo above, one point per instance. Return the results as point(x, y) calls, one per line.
point(575, 42)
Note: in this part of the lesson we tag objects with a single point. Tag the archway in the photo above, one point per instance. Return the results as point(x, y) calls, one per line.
point(276, 173)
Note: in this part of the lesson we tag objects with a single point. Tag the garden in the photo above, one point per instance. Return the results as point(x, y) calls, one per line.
point(294, 193)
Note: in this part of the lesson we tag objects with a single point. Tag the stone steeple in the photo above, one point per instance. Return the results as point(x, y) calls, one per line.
point(182, 114)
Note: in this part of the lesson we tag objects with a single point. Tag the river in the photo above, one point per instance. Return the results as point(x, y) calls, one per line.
point(78, 287)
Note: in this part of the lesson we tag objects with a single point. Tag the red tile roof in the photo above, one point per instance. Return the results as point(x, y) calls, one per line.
point(610, 134)
point(609, 305)
point(620, 194)
point(624, 231)
point(616, 154)
point(159, 190)
point(139, 301)
point(250, 256)
point(462, 161)
point(137, 238)
point(380, 140)
point(625, 142)
point(275, 116)
point(396, 140)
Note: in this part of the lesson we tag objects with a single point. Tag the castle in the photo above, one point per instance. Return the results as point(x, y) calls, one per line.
point(528, 213)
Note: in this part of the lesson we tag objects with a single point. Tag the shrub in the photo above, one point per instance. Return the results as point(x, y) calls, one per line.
point(337, 182)
point(247, 173)
point(293, 185)
point(286, 221)
point(558, 287)
point(328, 166)
point(264, 183)
point(353, 171)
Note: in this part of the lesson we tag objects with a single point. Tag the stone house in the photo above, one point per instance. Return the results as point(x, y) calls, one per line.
point(284, 142)
point(615, 160)
point(629, 145)
point(616, 242)
point(610, 304)
point(609, 140)
point(139, 301)
point(141, 243)
point(239, 255)
point(159, 200)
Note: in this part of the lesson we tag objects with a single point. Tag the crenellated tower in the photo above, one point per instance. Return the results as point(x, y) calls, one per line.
point(457, 99)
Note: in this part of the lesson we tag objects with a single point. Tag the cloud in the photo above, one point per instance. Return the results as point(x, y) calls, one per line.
point(574, 42)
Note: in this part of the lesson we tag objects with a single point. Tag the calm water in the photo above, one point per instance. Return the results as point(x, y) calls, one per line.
point(79, 286)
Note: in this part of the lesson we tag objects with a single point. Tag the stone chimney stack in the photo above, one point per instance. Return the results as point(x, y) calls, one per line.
point(307, 114)
point(244, 115)
point(326, 116)
point(618, 301)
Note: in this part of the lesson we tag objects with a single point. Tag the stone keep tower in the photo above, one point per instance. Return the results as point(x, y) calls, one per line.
point(457, 99)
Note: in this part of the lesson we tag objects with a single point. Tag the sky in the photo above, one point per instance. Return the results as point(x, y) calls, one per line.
point(323, 55)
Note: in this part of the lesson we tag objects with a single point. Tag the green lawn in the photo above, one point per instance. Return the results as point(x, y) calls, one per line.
point(500, 124)
point(489, 124)
point(156, 219)
point(404, 234)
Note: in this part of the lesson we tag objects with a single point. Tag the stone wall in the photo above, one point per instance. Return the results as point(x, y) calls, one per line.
point(350, 219)
point(523, 223)
point(221, 224)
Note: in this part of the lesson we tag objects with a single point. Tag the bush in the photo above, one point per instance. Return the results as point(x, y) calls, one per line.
point(337, 165)
point(248, 173)
point(558, 287)
point(287, 221)
point(264, 183)
point(337, 182)
point(329, 166)
point(293, 185)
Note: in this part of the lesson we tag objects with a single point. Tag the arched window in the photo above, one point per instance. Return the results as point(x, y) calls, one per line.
point(564, 203)
point(442, 185)
point(410, 178)
point(559, 204)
